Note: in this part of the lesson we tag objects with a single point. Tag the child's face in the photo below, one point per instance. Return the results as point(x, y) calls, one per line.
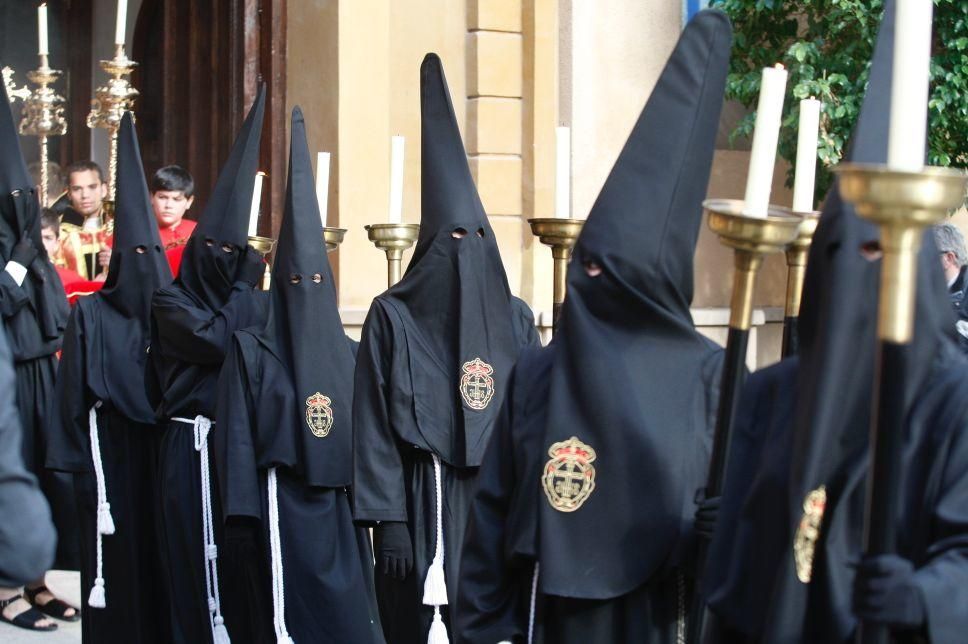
point(49, 237)
point(170, 206)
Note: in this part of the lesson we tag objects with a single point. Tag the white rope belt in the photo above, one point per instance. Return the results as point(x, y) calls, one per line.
point(534, 600)
point(275, 547)
point(435, 585)
point(105, 522)
point(202, 427)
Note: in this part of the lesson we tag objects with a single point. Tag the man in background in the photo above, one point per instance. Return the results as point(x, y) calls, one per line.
point(85, 243)
point(74, 285)
point(954, 264)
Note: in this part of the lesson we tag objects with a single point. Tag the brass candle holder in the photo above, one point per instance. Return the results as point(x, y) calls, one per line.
point(393, 239)
point(12, 92)
point(264, 245)
point(43, 116)
point(902, 204)
point(333, 237)
point(111, 102)
point(796, 260)
point(560, 234)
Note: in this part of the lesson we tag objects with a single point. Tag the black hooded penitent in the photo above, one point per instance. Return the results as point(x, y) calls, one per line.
point(434, 363)
point(192, 325)
point(103, 364)
point(803, 448)
point(34, 316)
point(621, 402)
point(285, 399)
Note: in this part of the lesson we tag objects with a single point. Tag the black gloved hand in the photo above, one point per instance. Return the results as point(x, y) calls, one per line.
point(885, 591)
point(706, 514)
point(394, 549)
point(24, 253)
point(252, 266)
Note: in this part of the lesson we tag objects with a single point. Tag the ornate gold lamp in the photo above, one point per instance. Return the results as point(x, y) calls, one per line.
point(393, 239)
point(43, 116)
point(902, 204)
point(796, 260)
point(333, 237)
point(560, 234)
point(264, 245)
point(112, 101)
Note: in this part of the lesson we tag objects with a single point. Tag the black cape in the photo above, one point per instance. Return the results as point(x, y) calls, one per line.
point(34, 317)
point(434, 362)
point(285, 397)
point(191, 332)
point(624, 468)
point(806, 427)
point(103, 363)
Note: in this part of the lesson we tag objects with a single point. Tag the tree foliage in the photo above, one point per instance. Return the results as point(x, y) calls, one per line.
point(826, 45)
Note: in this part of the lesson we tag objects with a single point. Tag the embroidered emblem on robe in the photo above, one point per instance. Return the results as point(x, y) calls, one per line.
point(476, 384)
point(808, 532)
point(569, 477)
point(319, 414)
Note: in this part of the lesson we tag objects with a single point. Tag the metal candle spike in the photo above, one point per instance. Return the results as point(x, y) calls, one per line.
point(752, 239)
point(111, 102)
point(333, 237)
point(902, 204)
point(796, 259)
point(43, 116)
point(393, 239)
point(560, 234)
point(264, 245)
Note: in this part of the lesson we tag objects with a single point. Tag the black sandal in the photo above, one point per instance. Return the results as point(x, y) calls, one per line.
point(27, 619)
point(54, 608)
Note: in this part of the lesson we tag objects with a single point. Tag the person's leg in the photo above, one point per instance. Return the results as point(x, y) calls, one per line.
point(21, 607)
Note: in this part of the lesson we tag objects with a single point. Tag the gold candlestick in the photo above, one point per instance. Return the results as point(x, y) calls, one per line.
point(43, 116)
point(12, 92)
point(333, 237)
point(393, 239)
point(560, 234)
point(902, 204)
point(264, 245)
point(111, 102)
point(796, 260)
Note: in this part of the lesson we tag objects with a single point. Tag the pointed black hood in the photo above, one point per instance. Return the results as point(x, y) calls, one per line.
point(13, 170)
point(19, 218)
point(138, 265)
point(206, 270)
point(824, 439)
point(454, 302)
point(632, 378)
point(305, 333)
point(115, 356)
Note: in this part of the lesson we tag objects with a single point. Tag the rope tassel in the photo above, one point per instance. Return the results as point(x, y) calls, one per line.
point(435, 585)
point(105, 522)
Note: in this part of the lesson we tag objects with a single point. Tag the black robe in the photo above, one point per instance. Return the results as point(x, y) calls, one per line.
point(328, 562)
point(496, 597)
point(394, 478)
point(136, 606)
point(189, 344)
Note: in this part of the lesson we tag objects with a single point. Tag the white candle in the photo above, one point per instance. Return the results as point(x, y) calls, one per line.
point(909, 85)
point(322, 184)
point(806, 169)
point(562, 172)
point(122, 22)
point(396, 179)
point(769, 111)
point(44, 48)
point(256, 201)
